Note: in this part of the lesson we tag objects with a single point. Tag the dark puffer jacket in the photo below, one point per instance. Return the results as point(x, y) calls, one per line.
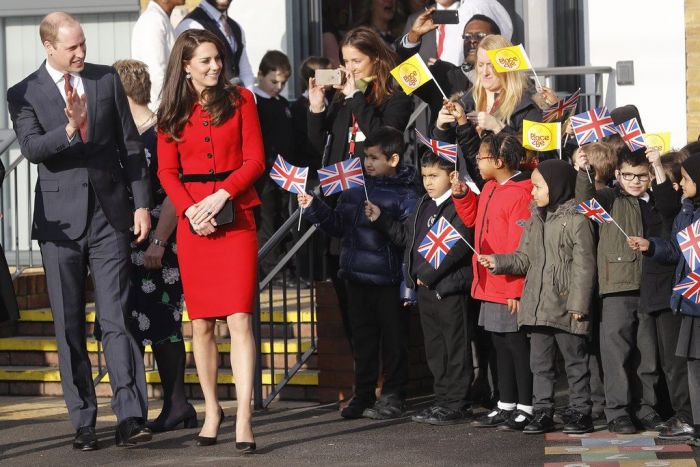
point(367, 255)
point(455, 273)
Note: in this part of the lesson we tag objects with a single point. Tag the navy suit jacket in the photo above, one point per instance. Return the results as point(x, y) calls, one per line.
point(111, 161)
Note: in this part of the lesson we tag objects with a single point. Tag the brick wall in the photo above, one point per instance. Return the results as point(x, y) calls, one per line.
point(692, 47)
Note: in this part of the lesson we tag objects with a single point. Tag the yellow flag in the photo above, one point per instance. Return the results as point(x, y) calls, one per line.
point(412, 74)
point(541, 136)
point(659, 141)
point(509, 59)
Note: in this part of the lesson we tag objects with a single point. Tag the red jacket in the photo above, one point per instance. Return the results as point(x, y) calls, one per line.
point(498, 218)
point(204, 148)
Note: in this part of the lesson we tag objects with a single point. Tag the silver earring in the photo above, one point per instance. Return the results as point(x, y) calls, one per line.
point(188, 75)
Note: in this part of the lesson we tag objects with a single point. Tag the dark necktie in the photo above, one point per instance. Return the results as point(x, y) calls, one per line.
point(69, 88)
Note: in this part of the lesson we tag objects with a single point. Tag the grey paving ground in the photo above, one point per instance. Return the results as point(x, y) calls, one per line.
point(35, 432)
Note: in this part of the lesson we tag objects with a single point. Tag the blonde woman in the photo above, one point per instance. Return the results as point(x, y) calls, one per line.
point(497, 102)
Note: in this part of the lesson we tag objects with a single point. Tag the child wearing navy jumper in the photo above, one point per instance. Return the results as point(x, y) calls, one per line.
point(370, 265)
point(443, 298)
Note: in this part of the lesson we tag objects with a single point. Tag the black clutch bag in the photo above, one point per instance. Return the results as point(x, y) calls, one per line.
point(226, 216)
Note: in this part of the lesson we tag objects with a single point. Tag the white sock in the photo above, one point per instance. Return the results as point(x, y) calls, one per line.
point(509, 406)
point(525, 408)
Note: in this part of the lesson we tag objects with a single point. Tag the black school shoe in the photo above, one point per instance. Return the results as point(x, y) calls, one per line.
point(578, 423)
point(542, 422)
point(386, 408)
point(493, 419)
point(355, 408)
point(443, 416)
point(424, 414)
point(517, 422)
point(652, 422)
point(677, 428)
point(622, 425)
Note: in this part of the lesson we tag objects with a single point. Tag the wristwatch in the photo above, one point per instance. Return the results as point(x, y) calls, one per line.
point(157, 242)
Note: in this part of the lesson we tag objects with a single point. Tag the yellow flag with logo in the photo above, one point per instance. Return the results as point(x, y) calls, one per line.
point(412, 74)
point(541, 136)
point(509, 59)
point(659, 141)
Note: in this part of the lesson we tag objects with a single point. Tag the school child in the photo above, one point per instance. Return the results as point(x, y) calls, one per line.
point(370, 265)
point(557, 253)
point(442, 292)
point(278, 138)
point(627, 336)
point(602, 158)
point(658, 279)
point(498, 217)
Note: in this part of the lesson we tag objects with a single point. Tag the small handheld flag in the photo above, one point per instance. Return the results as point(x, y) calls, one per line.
point(690, 287)
point(595, 212)
point(659, 141)
point(288, 176)
point(559, 110)
point(341, 176)
point(689, 242)
point(512, 58)
point(592, 125)
point(541, 136)
point(631, 134)
point(413, 73)
point(440, 239)
point(440, 148)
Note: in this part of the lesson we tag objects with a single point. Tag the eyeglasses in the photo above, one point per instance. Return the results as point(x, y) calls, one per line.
point(474, 36)
point(481, 158)
point(630, 176)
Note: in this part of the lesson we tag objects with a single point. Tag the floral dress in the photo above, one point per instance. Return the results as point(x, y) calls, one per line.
point(156, 314)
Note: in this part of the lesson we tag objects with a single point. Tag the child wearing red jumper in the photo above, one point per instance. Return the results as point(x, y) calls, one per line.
point(498, 216)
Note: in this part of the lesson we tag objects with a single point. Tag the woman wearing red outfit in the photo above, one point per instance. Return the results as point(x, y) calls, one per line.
point(203, 125)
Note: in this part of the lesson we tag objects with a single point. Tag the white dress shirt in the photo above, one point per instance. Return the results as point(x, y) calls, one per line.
point(151, 41)
point(76, 81)
point(245, 72)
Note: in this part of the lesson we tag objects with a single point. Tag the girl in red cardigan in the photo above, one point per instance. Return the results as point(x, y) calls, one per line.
point(498, 216)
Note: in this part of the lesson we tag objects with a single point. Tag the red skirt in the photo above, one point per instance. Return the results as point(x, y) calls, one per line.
point(219, 272)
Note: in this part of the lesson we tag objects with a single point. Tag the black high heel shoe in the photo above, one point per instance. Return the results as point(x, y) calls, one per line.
point(209, 441)
point(187, 418)
point(245, 448)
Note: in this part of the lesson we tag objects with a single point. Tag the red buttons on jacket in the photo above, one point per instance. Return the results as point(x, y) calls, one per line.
point(210, 155)
point(206, 123)
point(207, 139)
point(211, 171)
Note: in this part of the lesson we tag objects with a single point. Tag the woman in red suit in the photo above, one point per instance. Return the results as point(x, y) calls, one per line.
point(204, 124)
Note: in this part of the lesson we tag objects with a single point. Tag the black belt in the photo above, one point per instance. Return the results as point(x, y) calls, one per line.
point(210, 177)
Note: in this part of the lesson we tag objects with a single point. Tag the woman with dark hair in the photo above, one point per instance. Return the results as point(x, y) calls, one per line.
point(204, 122)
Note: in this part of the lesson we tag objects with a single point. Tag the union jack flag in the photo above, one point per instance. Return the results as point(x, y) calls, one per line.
point(689, 242)
point(561, 108)
point(690, 287)
point(438, 242)
point(631, 134)
point(341, 176)
point(594, 211)
point(288, 176)
point(592, 125)
point(440, 148)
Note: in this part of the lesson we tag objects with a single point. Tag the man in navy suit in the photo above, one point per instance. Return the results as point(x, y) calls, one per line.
point(72, 119)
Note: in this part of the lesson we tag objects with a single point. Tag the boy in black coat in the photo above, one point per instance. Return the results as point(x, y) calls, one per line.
point(443, 298)
point(370, 265)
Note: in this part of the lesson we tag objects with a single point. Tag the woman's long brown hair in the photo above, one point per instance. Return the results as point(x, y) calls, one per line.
point(371, 44)
point(179, 95)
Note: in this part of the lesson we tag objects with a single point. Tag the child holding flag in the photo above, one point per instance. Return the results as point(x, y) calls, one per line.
point(557, 253)
point(499, 217)
point(441, 283)
point(627, 336)
point(370, 265)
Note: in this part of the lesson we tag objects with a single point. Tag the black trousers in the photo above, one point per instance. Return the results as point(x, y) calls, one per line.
point(269, 216)
point(513, 364)
point(694, 388)
point(595, 365)
point(447, 346)
point(675, 368)
point(379, 330)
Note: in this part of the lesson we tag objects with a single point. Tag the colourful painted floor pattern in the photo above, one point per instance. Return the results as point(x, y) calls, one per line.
point(605, 449)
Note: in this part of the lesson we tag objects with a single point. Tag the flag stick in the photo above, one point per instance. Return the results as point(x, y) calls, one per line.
point(588, 172)
point(301, 211)
point(618, 226)
point(470, 246)
point(365, 187)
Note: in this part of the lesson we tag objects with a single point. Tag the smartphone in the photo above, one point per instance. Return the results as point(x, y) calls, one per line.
point(445, 17)
point(328, 77)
